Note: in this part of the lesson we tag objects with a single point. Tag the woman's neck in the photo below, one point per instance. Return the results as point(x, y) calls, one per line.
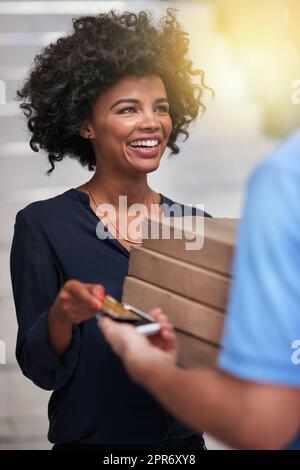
point(107, 189)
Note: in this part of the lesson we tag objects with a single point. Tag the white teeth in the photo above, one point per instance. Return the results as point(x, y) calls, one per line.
point(144, 143)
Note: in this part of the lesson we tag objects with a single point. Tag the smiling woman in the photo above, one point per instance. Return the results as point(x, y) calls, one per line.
point(114, 94)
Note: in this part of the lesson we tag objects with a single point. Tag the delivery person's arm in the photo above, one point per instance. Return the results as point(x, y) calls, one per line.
point(240, 413)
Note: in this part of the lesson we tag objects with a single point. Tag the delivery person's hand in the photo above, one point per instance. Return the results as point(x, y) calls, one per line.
point(141, 353)
point(77, 301)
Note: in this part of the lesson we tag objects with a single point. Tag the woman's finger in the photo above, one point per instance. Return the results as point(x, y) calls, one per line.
point(80, 313)
point(95, 305)
point(82, 294)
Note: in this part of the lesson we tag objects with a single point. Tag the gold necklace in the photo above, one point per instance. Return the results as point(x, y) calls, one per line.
point(105, 213)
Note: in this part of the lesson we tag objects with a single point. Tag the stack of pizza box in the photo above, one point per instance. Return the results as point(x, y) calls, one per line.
point(184, 266)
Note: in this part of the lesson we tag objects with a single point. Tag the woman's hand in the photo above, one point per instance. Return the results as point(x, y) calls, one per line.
point(77, 301)
point(141, 354)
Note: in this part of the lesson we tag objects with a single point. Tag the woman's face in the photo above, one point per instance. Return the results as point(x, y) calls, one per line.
point(130, 124)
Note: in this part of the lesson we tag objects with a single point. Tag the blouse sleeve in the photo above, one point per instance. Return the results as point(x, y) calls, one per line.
point(35, 285)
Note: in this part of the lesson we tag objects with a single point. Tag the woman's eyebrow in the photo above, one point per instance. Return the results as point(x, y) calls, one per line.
point(135, 101)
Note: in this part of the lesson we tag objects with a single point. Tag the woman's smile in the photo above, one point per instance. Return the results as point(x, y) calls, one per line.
point(146, 146)
point(145, 151)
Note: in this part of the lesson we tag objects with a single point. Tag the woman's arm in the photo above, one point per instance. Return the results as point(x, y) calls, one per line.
point(60, 334)
point(46, 350)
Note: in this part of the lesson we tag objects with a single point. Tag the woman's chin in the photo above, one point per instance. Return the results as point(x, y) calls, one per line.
point(143, 165)
point(147, 167)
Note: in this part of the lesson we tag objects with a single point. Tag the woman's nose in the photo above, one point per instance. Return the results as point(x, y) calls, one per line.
point(149, 120)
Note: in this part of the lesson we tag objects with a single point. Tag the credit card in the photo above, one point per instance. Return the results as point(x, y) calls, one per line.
point(115, 310)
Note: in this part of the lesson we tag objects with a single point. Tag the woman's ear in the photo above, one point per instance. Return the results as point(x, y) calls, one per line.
point(86, 132)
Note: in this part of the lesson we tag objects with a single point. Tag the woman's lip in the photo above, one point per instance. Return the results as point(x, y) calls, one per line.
point(145, 152)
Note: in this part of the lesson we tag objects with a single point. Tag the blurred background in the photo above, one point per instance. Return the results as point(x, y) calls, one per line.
point(244, 48)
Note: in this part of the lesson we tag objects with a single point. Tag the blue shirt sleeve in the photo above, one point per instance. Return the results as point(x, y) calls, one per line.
point(262, 332)
point(35, 287)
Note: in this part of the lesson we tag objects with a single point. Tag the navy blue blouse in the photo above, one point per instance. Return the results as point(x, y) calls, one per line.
point(93, 401)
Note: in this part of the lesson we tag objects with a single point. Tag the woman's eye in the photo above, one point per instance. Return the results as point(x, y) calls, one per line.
point(163, 109)
point(124, 110)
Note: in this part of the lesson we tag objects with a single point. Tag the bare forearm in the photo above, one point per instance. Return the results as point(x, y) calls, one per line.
point(198, 398)
point(60, 334)
point(240, 413)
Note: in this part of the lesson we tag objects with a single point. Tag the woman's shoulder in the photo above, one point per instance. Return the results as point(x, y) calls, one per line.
point(39, 212)
point(178, 209)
